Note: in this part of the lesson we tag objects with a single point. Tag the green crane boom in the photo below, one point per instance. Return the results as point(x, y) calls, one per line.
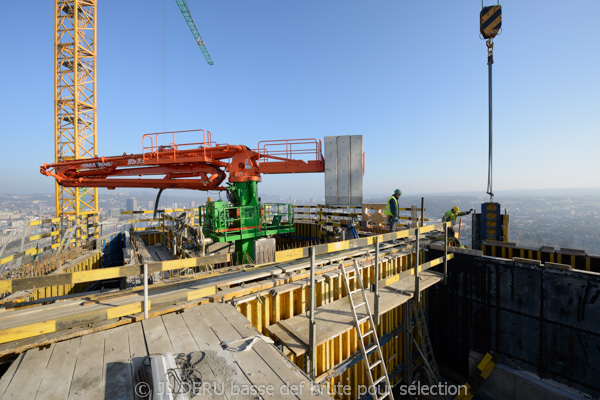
point(188, 18)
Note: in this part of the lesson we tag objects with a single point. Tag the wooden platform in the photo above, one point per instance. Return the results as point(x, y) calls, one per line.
point(103, 365)
point(335, 318)
point(24, 326)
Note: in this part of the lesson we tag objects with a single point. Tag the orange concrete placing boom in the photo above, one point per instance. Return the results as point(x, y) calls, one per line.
point(205, 165)
point(202, 166)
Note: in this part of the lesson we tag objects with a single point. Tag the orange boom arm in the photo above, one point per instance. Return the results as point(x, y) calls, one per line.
point(202, 166)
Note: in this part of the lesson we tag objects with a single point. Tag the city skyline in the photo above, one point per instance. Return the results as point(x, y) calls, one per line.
point(560, 221)
point(380, 71)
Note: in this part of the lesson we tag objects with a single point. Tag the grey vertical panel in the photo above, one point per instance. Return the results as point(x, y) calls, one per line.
point(264, 250)
point(356, 170)
point(343, 170)
point(330, 170)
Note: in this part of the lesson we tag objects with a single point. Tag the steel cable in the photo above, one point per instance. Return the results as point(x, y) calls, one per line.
point(490, 167)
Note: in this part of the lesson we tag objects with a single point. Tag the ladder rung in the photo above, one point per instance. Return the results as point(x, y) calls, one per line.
point(375, 364)
point(363, 319)
point(370, 348)
point(354, 291)
point(367, 334)
point(379, 380)
point(386, 393)
point(360, 304)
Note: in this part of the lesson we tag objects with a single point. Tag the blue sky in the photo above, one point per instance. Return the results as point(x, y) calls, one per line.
point(409, 76)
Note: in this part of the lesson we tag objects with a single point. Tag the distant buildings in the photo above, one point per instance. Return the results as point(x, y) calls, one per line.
point(131, 204)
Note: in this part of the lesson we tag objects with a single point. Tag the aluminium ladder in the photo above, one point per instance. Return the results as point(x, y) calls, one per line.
point(425, 349)
point(373, 345)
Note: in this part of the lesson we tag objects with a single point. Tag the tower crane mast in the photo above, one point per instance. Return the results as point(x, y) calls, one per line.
point(75, 128)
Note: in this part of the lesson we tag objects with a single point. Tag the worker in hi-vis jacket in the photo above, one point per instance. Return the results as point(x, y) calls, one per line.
point(392, 209)
point(450, 216)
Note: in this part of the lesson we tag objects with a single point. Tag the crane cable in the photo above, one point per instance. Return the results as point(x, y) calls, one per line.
point(490, 48)
point(164, 66)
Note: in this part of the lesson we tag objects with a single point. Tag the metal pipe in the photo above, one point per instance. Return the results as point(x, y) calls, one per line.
point(422, 211)
point(445, 253)
point(145, 291)
point(312, 333)
point(417, 288)
point(406, 356)
point(376, 285)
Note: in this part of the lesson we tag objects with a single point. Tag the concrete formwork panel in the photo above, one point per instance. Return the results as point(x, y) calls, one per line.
point(343, 170)
point(330, 169)
point(356, 170)
point(535, 318)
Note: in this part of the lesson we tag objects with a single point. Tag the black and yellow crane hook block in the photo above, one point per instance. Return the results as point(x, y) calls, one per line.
point(491, 21)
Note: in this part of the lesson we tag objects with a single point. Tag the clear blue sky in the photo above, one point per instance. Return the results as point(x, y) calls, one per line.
point(409, 76)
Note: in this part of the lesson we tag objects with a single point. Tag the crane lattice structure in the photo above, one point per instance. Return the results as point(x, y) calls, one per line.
point(75, 136)
point(75, 102)
point(188, 18)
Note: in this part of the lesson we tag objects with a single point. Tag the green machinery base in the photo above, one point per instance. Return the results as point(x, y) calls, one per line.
point(244, 219)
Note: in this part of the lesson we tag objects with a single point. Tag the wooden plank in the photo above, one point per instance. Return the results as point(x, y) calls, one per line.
point(57, 379)
point(66, 278)
point(336, 318)
point(290, 341)
point(28, 376)
point(183, 341)
point(331, 319)
point(117, 367)
point(251, 364)
point(10, 373)
point(137, 351)
point(162, 297)
point(47, 339)
point(284, 368)
point(221, 363)
point(88, 378)
point(157, 339)
point(179, 334)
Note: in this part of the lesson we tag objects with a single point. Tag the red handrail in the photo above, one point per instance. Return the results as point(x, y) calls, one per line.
point(286, 149)
point(170, 151)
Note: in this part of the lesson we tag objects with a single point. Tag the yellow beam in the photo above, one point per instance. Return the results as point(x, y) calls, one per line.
point(26, 331)
point(71, 278)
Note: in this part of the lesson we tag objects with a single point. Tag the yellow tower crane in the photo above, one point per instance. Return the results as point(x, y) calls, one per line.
point(75, 130)
point(75, 135)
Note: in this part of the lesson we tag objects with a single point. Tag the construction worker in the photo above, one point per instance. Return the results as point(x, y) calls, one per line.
point(392, 209)
point(451, 216)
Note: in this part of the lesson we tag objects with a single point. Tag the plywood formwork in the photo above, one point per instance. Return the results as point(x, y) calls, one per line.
point(105, 364)
point(265, 295)
point(282, 314)
point(91, 260)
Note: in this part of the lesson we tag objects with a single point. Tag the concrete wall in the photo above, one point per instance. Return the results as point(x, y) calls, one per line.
point(537, 319)
point(510, 383)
